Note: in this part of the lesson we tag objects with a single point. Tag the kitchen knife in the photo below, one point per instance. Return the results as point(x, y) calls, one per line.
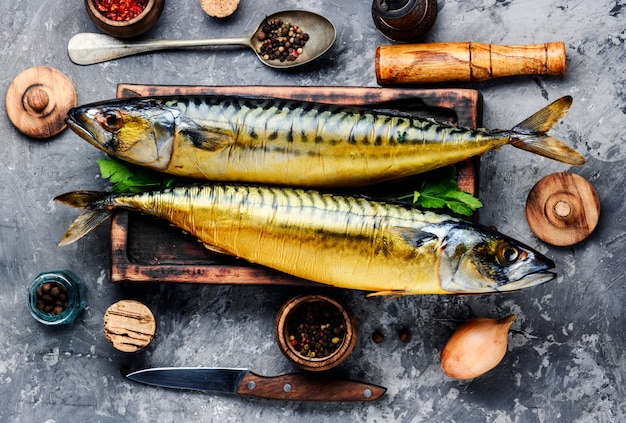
point(299, 387)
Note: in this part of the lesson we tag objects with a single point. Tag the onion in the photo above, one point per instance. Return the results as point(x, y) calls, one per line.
point(476, 347)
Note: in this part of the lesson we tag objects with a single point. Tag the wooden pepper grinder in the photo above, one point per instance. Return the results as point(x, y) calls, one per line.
point(37, 101)
point(427, 63)
point(562, 209)
point(404, 20)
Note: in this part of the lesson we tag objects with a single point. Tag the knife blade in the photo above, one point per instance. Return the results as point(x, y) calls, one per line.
point(299, 387)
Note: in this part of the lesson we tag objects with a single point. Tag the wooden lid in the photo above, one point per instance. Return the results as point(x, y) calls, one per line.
point(38, 100)
point(562, 209)
point(219, 8)
point(129, 325)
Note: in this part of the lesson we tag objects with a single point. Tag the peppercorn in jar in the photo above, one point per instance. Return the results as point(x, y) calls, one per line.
point(56, 297)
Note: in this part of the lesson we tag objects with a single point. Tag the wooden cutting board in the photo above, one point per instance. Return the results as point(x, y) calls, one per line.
point(145, 249)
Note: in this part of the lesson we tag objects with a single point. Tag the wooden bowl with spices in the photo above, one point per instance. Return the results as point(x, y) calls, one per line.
point(315, 332)
point(124, 18)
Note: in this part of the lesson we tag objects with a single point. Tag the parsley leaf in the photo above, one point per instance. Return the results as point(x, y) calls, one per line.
point(440, 190)
point(128, 180)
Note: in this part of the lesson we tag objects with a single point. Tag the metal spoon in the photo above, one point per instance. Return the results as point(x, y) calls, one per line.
point(87, 49)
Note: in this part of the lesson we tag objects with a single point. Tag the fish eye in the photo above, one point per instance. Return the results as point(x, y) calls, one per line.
point(508, 254)
point(111, 121)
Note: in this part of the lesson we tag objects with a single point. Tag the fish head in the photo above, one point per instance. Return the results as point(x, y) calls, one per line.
point(136, 131)
point(479, 260)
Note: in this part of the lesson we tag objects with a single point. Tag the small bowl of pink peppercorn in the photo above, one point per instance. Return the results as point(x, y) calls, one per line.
point(124, 18)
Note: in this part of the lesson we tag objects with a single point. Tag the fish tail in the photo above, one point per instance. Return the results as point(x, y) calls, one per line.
point(95, 213)
point(530, 135)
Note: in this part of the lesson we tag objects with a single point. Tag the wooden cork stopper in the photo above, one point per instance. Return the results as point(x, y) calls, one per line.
point(129, 325)
point(219, 8)
point(562, 209)
point(37, 101)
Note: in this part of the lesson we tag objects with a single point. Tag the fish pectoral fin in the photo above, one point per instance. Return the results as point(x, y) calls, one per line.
point(216, 249)
point(391, 294)
point(207, 139)
point(414, 237)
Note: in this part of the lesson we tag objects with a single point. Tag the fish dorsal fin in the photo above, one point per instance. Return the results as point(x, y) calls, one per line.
point(206, 139)
point(414, 237)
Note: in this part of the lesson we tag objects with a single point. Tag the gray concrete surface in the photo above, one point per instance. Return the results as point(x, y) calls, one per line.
point(565, 361)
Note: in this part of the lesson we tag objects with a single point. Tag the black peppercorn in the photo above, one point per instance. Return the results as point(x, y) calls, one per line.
point(51, 298)
point(378, 337)
point(316, 329)
point(281, 40)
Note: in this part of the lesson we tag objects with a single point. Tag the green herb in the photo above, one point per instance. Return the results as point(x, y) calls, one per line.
point(440, 190)
point(130, 180)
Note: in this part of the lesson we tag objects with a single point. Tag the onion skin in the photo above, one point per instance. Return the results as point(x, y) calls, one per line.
point(476, 347)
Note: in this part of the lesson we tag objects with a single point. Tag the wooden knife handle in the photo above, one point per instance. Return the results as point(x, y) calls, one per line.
point(302, 387)
point(405, 64)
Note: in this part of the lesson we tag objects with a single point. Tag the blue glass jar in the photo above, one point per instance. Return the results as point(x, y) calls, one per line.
point(62, 286)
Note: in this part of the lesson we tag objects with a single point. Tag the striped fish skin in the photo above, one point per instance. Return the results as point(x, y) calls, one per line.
point(342, 241)
point(272, 141)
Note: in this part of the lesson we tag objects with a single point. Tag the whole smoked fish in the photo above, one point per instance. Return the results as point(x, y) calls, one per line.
point(295, 143)
point(342, 241)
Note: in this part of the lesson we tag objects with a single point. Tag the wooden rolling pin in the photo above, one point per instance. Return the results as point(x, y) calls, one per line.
point(406, 64)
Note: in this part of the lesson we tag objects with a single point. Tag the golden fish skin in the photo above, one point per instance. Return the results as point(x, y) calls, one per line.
point(295, 143)
point(342, 241)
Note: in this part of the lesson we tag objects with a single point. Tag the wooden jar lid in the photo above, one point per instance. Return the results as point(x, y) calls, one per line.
point(562, 209)
point(38, 100)
point(129, 325)
point(219, 8)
